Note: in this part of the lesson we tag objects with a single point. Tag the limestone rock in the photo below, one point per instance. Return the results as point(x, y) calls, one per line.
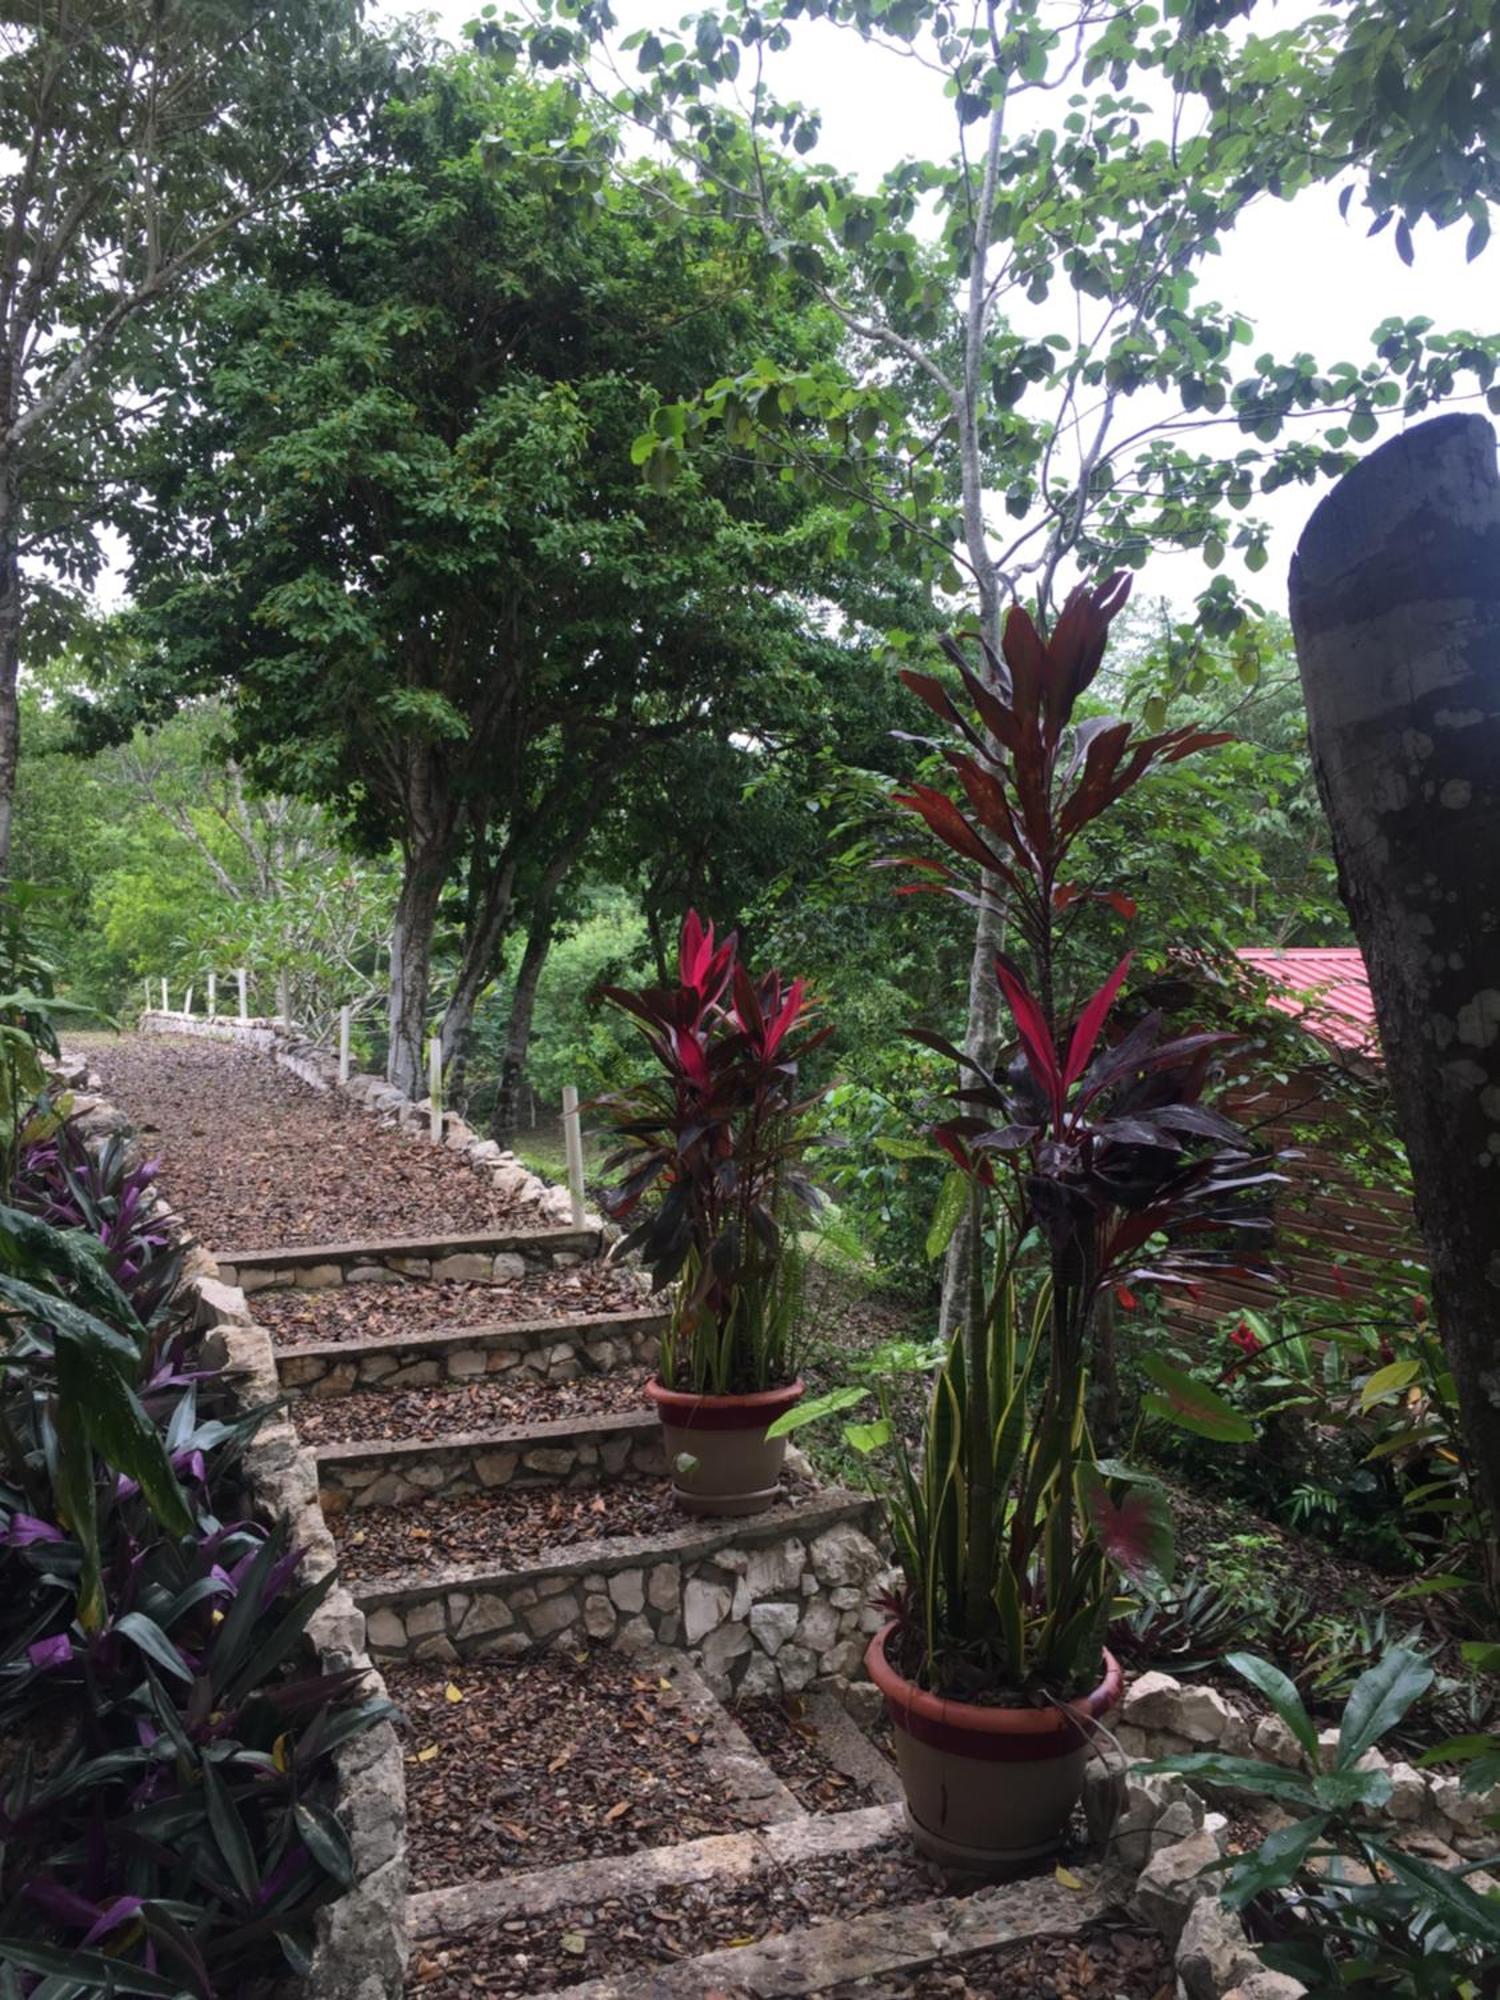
point(842, 1555)
point(774, 1571)
point(772, 1624)
point(1173, 1881)
point(705, 1606)
point(1267, 1985)
point(1274, 1742)
point(1213, 1951)
point(628, 1590)
point(1408, 1800)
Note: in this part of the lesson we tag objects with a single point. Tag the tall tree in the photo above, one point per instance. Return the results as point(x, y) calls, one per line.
point(138, 136)
point(1395, 595)
point(395, 508)
point(1033, 378)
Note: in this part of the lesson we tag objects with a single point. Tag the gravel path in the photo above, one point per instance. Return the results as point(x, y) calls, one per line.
point(256, 1160)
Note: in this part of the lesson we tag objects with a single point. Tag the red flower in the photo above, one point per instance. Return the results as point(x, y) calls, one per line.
point(1244, 1338)
point(1419, 1308)
point(1126, 1297)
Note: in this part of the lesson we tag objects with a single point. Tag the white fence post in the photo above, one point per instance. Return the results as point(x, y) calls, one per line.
point(344, 1014)
point(244, 1009)
point(435, 1087)
point(166, 1005)
point(148, 996)
point(573, 1141)
point(213, 995)
point(284, 999)
point(187, 1002)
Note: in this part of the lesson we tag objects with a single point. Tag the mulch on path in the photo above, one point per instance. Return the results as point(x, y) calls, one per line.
point(498, 1403)
point(550, 1759)
point(786, 1738)
point(1103, 1965)
point(509, 1527)
point(378, 1312)
point(254, 1159)
point(635, 1933)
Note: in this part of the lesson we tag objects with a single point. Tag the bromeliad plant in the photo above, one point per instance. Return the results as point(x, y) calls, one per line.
point(1086, 1159)
point(717, 1137)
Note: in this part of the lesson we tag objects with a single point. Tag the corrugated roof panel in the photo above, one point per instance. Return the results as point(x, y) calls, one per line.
point(1328, 990)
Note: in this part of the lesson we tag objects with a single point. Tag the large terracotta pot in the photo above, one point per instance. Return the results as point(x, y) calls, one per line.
point(737, 1467)
point(988, 1790)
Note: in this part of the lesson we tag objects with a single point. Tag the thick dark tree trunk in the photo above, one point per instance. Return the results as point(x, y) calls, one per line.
point(484, 940)
point(10, 653)
point(518, 1029)
point(1395, 601)
point(411, 967)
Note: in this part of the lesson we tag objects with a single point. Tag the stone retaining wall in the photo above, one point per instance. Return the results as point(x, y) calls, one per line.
point(1164, 1717)
point(568, 1452)
point(361, 1941)
point(541, 1350)
point(762, 1606)
point(491, 1257)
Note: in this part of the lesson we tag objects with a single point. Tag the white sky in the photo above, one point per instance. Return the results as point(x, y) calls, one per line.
point(1305, 278)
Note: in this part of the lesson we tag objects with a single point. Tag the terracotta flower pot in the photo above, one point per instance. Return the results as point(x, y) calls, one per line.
point(988, 1790)
point(737, 1466)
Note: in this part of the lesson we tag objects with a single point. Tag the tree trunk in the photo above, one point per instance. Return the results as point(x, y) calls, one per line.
point(412, 927)
point(518, 1028)
point(1395, 602)
point(484, 937)
point(10, 653)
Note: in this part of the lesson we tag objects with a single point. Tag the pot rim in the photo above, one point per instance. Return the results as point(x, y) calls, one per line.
point(976, 1718)
point(683, 1407)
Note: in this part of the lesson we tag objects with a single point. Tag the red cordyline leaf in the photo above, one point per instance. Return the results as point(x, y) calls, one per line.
point(950, 826)
point(1091, 1020)
point(1135, 1533)
point(1036, 1036)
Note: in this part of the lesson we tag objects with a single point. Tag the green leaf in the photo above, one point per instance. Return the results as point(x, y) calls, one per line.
point(1338, 1790)
point(326, 1841)
point(1466, 1914)
point(1193, 1405)
point(1389, 1381)
point(117, 1425)
point(1379, 1699)
point(866, 1438)
point(79, 1969)
point(1279, 1691)
point(1274, 1863)
point(814, 1409)
point(229, 1833)
point(1240, 1774)
point(953, 1199)
point(148, 1635)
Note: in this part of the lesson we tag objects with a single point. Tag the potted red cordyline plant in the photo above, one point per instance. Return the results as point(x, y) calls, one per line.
point(1085, 1159)
point(716, 1140)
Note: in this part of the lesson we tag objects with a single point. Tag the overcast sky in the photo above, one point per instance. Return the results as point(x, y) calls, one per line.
point(1308, 280)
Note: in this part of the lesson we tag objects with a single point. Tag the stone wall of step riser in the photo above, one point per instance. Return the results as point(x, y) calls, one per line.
point(362, 1939)
point(356, 1476)
point(770, 1612)
point(548, 1351)
point(314, 1065)
point(503, 1258)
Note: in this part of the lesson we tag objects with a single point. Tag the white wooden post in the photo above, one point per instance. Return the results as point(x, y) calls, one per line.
point(148, 996)
point(284, 999)
point(344, 1014)
point(187, 1003)
point(213, 995)
point(435, 1087)
point(573, 1141)
point(166, 1005)
point(244, 1009)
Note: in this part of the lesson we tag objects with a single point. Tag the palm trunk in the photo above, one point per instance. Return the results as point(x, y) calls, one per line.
point(1395, 602)
point(518, 1030)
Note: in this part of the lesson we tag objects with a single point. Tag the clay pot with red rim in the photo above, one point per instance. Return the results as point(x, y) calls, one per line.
point(988, 1790)
point(736, 1468)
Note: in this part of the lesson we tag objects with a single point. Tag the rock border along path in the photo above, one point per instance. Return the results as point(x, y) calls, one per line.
point(778, 1602)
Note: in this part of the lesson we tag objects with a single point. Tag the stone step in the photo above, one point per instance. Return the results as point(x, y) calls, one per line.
point(572, 1451)
point(765, 1605)
point(816, 1957)
point(548, 1349)
point(472, 1257)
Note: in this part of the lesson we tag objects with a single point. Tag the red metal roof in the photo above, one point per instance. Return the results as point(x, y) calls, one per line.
point(1327, 990)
